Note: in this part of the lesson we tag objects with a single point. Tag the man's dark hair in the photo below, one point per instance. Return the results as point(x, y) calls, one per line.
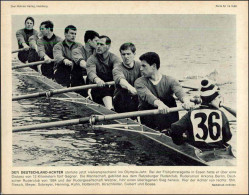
point(90, 34)
point(108, 40)
point(151, 58)
point(126, 46)
point(70, 27)
point(48, 24)
point(29, 18)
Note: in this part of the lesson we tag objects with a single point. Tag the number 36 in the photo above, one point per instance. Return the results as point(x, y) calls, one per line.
point(207, 126)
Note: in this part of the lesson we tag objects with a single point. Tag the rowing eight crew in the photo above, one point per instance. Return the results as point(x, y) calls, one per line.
point(138, 85)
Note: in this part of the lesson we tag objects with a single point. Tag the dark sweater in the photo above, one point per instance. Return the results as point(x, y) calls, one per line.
point(129, 74)
point(164, 90)
point(24, 35)
point(45, 45)
point(97, 66)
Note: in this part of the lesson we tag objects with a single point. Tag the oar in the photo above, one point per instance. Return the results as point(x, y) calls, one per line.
point(92, 119)
point(187, 87)
point(192, 88)
point(15, 51)
point(232, 111)
point(29, 64)
point(58, 91)
point(183, 80)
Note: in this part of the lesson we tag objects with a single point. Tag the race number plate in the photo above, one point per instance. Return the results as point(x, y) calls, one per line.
point(207, 125)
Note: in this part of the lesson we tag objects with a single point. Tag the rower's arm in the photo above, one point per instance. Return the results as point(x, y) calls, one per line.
point(91, 69)
point(79, 56)
point(115, 60)
point(20, 37)
point(177, 90)
point(119, 78)
point(117, 74)
point(32, 42)
point(41, 48)
point(124, 84)
point(58, 53)
point(185, 99)
point(144, 93)
point(187, 104)
point(83, 64)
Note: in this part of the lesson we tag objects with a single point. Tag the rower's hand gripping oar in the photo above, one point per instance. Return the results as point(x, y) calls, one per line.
point(92, 119)
point(58, 91)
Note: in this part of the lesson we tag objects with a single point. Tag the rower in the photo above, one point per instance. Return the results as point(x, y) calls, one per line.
point(45, 47)
point(26, 39)
point(66, 72)
point(156, 91)
point(99, 70)
point(81, 54)
point(124, 74)
point(207, 126)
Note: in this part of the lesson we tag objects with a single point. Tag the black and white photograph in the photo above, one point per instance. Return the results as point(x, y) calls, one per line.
point(124, 97)
point(124, 90)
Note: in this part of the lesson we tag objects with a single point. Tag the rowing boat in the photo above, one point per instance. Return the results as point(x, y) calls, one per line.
point(191, 154)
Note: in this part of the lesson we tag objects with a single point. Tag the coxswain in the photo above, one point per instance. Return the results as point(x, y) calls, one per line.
point(206, 126)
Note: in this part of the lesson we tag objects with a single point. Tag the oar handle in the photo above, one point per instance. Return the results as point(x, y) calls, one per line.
point(232, 111)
